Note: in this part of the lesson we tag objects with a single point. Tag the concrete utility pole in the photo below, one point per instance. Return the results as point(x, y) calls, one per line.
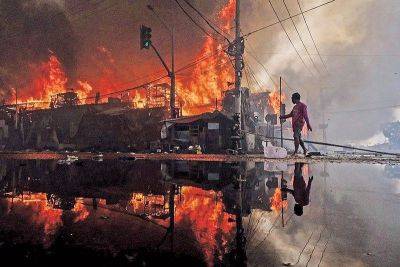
point(281, 108)
point(238, 64)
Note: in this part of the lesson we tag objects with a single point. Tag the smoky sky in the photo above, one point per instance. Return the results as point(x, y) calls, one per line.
point(358, 43)
point(30, 31)
point(356, 38)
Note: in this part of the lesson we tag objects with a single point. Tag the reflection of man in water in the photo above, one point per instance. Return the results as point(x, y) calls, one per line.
point(301, 191)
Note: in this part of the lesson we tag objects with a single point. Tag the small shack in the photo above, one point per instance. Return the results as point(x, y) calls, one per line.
point(212, 131)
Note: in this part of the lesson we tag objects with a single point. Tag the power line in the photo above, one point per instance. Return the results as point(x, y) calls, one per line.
point(312, 38)
point(340, 55)
point(301, 39)
point(275, 23)
point(129, 89)
point(246, 75)
point(259, 62)
point(195, 22)
point(253, 76)
point(206, 20)
point(212, 54)
point(262, 66)
point(194, 63)
point(290, 40)
point(363, 109)
point(285, 82)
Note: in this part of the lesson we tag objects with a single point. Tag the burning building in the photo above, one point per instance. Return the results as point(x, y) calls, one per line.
point(48, 114)
point(114, 125)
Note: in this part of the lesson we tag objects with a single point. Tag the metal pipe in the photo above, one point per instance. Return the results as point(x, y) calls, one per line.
point(335, 145)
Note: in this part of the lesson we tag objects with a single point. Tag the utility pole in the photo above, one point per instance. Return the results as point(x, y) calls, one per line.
point(281, 108)
point(238, 64)
point(236, 50)
point(171, 72)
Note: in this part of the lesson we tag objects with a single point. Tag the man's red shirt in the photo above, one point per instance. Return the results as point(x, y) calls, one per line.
point(299, 115)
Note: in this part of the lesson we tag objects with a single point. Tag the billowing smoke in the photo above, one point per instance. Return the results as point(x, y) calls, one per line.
point(30, 32)
point(356, 41)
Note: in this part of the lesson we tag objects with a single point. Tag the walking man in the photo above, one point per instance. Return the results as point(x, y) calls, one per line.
point(299, 117)
point(301, 190)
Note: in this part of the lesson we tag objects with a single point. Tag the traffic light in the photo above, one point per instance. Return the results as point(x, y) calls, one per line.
point(145, 37)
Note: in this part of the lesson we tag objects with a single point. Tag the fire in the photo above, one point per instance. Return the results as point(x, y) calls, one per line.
point(50, 80)
point(145, 203)
point(80, 210)
point(197, 209)
point(226, 15)
point(274, 101)
point(211, 76)
point(39, 213)
point(204, 212)
point(276, 201)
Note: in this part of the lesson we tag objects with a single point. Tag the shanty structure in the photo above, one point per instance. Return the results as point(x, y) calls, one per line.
point(212, 131)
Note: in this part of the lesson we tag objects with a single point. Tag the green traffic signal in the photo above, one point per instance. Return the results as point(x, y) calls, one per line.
point(146, 44)
point(145, 37)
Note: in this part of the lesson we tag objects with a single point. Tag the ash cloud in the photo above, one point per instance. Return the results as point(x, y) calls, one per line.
point(30, 31)
point(356, 40)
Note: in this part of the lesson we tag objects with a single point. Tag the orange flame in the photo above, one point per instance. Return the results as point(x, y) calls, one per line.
point(274, 101)
point(276, 201)
point(204, 212)
point(50, 81)
point(40, 213)
point(80, 210)
point(211, 76)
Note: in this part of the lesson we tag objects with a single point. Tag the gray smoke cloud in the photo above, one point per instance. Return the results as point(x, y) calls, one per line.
point(30, 31)
point(356, 40)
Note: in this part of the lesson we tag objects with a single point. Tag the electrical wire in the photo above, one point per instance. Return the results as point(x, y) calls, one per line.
point(312, 38)
point(312, 251)
point(362, 109)
point(276, 23)
point(194, 21)
point(252, 74)
point(323, 252)
point(290, 40)
point(206, 20)
point(301, 39)
point(251, 53)
point(262, 66)
point(305, 245)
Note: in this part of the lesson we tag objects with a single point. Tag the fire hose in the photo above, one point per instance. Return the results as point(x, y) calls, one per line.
point(267, 138)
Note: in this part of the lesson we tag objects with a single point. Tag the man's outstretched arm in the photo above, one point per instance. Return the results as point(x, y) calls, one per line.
point(287, 115)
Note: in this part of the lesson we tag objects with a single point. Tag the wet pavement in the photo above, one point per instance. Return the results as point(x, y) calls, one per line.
point(122, 211)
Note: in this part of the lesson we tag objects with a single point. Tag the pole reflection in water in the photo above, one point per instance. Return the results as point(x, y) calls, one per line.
point(196, 213)
point(177, 207)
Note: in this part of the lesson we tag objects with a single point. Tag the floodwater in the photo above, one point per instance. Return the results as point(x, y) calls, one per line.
point(151, 213)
